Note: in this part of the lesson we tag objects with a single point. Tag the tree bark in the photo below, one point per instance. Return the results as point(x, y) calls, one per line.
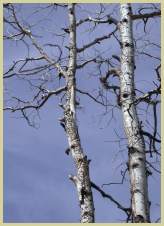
point(136, 145)
point(82, 179)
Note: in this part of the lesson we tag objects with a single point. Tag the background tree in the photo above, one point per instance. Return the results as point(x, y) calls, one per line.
point(66, 59)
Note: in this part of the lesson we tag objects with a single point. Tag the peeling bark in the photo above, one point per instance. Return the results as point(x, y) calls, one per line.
point(82, 179)
point(136, 145)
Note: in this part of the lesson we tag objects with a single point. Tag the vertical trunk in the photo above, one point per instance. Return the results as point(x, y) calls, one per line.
point(82, 179)
point(136, 146)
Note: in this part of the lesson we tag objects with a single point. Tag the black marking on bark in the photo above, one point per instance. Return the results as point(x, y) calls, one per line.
point(80, 160)
point(67, 151)
point(139, 219)
point(71, 11)
point(86, 213)
point(73, 146)
point(136, 191)
point(132, 150)
point(84, 193)
point(128, 73)
point(63, 125)
point(66, 30)
point(148, 172)
point(125, 95)
point(135, 165)
point(83, 160)
point(140, 159)
point(124, 20)
point(127, 44)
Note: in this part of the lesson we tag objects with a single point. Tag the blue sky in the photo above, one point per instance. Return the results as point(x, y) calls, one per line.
point(36, 168)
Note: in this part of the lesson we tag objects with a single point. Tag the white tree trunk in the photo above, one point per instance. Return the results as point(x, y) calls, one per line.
point(82, 179)
point(136, 146)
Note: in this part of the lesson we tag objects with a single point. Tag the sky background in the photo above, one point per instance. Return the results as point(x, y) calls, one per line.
point(36, 168)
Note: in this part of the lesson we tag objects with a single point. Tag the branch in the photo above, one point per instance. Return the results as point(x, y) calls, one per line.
point(158, 171)
point(29, 106)
point(43, 54)
point(146, 15)
point(30, 70)
point(85, 63)
point(157, 70)
point(147, 96)
point(149, 55)
point(105, 195)
point(96, 41)
point(27, 32)
point(92, 97)
point(123, 173)
point(145, 133)
point(109, 20)
point(104, 82)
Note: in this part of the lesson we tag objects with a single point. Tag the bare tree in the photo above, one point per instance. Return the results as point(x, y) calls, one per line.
point(136, 146)
point(71, 58)
point(82, 180)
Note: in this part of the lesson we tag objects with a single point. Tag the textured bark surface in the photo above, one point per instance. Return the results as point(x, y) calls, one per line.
point(82, 179)
point(136, 146)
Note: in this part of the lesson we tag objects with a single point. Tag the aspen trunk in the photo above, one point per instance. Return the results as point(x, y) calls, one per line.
point(136, 145)
point(82, 179)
